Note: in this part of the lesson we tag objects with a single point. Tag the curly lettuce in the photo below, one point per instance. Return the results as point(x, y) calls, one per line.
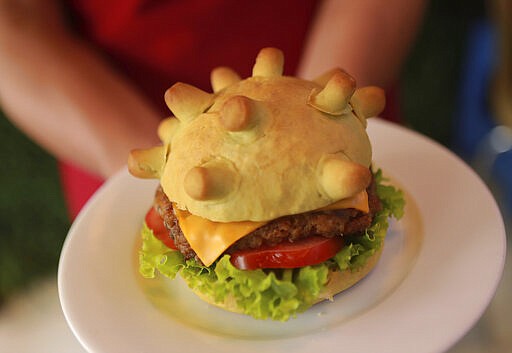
point(277, 295)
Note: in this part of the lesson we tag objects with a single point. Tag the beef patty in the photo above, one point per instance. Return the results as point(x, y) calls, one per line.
point(329, 223)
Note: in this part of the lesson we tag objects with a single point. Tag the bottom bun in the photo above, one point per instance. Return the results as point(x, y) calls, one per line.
point(337, 282)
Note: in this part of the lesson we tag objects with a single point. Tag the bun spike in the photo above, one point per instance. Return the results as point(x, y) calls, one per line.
point(211, 181)
point(167, 128)
point(222, 77)
point(148, 163)
point(198, 183)
point(325, 77)
point(186, 101)
point(368, 102)
point(334, 97)
point(269, 63)
point(238, 113)
point(343, 178)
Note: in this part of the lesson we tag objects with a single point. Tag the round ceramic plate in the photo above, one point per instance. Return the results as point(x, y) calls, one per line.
point(439, 270)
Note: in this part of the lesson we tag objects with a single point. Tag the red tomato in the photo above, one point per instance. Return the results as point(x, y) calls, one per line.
point(156, 224)
point(304, 252)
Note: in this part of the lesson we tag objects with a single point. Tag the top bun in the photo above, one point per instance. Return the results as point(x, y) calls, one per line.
point(266, 146)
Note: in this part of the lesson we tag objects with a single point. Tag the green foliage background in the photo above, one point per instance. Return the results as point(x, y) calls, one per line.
point(33, 218)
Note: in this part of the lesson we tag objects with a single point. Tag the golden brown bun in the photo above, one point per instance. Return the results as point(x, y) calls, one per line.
point(338, 281)
point(263, 147)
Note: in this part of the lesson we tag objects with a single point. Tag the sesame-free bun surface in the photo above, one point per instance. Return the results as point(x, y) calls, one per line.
point(264, 147)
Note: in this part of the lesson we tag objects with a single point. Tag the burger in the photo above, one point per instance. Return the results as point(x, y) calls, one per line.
point(268, 202)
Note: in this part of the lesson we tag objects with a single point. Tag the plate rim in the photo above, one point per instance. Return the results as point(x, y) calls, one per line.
point(375, 125)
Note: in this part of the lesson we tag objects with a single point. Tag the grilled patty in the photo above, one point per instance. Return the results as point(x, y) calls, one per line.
point(291, 228)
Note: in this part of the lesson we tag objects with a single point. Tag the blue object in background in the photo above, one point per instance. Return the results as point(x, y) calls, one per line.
point(477, 137)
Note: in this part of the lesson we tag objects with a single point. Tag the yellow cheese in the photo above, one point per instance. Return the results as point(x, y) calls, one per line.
point(358, 201)
point(210, 239)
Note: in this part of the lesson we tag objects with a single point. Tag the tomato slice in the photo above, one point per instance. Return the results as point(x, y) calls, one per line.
point(156, 224)
point(304, 252)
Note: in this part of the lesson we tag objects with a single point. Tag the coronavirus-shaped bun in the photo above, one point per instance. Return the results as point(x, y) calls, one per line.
point(265, 146)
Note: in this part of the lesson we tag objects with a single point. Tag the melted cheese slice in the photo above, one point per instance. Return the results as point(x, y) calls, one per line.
point(359, 201)
point(210, 239)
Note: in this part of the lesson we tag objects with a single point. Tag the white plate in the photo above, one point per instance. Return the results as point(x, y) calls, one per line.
point(439, 270)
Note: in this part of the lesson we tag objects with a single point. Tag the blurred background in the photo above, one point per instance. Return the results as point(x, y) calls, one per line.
point(456, 89)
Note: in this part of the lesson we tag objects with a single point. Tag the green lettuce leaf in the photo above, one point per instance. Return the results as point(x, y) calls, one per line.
point(155, 256)
point(277, 295)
